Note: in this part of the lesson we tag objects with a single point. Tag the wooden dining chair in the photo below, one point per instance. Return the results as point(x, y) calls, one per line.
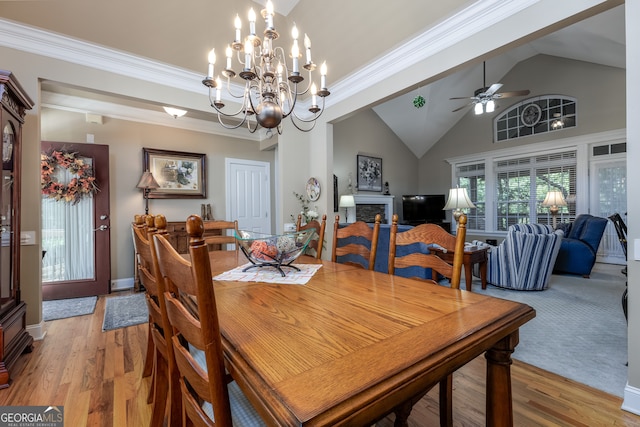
point(208, 393)
point(158, 322)
point(218, 232)
point(428, 235)
point(318, 242)
point(139, 223)
point(356, 244)
point(431, 234)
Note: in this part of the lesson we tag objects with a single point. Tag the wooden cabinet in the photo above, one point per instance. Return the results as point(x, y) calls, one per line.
point(179, 238)
point(14, 339)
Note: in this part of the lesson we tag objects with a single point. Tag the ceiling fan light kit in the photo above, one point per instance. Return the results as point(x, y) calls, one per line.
point(483, 99)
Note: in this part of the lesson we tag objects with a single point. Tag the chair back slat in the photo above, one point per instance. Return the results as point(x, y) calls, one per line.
point(429, 234)
point(227, 230)
point(348, 240)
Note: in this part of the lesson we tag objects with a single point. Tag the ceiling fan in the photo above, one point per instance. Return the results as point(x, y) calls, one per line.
point(484, 98)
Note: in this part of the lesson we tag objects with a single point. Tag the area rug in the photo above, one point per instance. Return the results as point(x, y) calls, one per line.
point(71, 307)
point(124, 311)
point(579, 330)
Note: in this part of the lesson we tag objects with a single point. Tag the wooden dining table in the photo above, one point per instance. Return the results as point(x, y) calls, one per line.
point(351, 346)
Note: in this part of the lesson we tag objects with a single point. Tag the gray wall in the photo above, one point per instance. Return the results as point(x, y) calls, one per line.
point(366, 133)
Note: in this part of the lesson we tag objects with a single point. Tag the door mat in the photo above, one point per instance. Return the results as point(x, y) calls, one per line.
point(124, 311)
point(71, 307)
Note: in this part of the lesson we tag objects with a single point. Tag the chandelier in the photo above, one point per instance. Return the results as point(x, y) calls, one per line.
point(270, 86)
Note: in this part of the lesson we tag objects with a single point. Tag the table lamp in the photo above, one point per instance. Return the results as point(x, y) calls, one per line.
point(552, 201)
point(347, 201)
point(147, 183)
point(458, 199)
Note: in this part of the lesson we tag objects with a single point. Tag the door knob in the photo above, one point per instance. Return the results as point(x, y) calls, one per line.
point(102, 228)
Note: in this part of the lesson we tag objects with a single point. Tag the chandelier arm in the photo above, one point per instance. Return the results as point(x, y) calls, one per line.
point(227, 126)
point(254, 129)
point(316, 115)
point(219, 111)
point(230, 92)
point(309, 83)
point(292, 95)
point(299, 128)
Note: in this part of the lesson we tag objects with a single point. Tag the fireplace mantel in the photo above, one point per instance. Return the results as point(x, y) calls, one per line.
point(376, 199)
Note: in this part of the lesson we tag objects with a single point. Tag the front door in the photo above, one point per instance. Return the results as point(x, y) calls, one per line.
point(75, 230)
point(248, 194)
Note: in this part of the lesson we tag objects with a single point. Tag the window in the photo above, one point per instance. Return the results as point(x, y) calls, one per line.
point(509, 184)
point(534, 116)
point(472, 178)
point(523, 183)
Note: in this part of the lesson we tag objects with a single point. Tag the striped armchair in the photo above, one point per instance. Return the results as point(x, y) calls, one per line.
point(525, 259)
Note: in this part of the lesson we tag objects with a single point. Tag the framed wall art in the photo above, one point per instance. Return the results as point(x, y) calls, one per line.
point(369, 173)
point(180, 175)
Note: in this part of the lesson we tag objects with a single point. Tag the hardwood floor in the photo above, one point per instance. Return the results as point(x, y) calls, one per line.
point(95, 375)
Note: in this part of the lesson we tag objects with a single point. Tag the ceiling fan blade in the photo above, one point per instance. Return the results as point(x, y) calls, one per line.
point(493, 89)
point(463, 107)
point(464, 97)
point(512, 93)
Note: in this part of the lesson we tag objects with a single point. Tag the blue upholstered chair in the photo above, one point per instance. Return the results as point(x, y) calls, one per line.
point(525, 259)
point(580, 244)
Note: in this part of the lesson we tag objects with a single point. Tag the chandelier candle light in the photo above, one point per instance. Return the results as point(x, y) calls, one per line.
point(271, 87)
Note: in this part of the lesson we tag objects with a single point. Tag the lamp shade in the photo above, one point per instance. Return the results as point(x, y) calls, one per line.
point(347, 201)
point(554, 198)
point(458, 199)
point(147, 181)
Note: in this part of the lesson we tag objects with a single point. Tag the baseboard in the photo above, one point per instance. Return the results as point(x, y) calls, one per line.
point(631, 402)
point(37, 331)
point(122, 284)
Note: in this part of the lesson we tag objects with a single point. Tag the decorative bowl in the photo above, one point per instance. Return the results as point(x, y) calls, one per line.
point(268, 250)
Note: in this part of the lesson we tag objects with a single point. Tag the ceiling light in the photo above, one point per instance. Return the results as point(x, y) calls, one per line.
point(478, 108)
point(271, 85)
point(174, 112)
point(491, 106)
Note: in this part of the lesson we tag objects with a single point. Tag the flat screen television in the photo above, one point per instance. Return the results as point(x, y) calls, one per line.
point(422, 208)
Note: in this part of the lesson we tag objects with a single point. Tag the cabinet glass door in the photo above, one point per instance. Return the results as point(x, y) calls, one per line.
point(6, 197)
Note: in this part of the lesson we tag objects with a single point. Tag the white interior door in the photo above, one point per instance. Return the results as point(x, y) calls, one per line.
point(608, 196)
point(248, 194)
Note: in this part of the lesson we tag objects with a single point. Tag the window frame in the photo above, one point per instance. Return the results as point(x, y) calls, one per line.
point(580, 143)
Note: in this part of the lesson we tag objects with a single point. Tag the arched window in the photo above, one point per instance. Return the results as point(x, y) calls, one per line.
point(533, 116)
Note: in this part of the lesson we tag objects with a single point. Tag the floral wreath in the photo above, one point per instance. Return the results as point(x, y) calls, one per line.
point(83, 184)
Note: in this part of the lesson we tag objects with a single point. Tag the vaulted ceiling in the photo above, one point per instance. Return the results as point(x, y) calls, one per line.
point(350, 35)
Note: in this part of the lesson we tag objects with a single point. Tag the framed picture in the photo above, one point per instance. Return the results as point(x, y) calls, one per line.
point(369, 173)
point(180, 175)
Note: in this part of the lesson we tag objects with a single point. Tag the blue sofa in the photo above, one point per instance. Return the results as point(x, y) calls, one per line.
point(579, 246)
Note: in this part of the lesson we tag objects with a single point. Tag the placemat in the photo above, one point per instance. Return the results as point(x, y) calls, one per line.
point(270, 274)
